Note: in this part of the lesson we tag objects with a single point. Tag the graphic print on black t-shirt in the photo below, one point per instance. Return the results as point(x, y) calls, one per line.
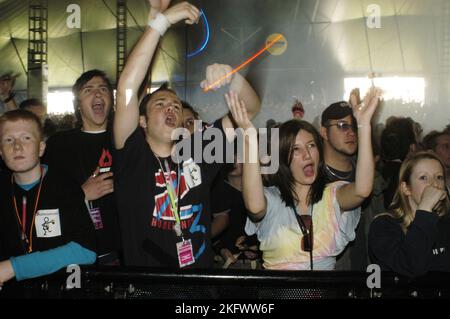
point(105, 161)
point(163, 217)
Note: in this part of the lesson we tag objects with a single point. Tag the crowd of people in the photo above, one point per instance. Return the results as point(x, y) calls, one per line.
point(109, 186)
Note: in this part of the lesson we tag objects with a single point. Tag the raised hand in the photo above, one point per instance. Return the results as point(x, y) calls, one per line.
point(363, 112)
point(182, 11)
point(217, 75)
point(355, 97)
point(157, 6)
point(238, 110)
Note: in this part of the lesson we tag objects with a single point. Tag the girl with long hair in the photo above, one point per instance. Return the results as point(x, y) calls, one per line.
point(413, 237)
point(300, 222)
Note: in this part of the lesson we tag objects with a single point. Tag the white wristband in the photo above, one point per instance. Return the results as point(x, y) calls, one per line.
point(160, 23)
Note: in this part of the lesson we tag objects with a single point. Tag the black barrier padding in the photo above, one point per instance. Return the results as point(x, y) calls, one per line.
point(139, 283)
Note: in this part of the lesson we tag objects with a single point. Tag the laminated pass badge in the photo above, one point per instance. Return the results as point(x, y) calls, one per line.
point(48, 223)
point(192, 173)
point(185, 254)
point(96, 217)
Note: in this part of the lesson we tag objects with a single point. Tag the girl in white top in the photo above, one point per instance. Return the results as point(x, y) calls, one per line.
point(299, 188)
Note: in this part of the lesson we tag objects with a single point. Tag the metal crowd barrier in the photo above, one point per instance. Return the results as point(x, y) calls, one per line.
point(142, 283)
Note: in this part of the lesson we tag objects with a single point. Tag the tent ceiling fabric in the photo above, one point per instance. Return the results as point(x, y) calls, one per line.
point(98, 34)
point(337, 27)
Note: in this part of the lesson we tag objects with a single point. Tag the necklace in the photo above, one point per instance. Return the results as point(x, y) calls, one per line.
point(349, 174)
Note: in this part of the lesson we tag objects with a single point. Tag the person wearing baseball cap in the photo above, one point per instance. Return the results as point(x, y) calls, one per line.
point(339, 133)
point(340, 142)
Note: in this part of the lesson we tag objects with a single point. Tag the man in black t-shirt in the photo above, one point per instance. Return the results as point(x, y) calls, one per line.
point(84, 154)
point(164, 206)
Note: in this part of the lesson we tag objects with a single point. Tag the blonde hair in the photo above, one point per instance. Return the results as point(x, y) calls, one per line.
point(400, 207)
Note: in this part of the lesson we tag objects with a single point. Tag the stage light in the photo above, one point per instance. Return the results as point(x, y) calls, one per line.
point(60, 102)
point(404, 89)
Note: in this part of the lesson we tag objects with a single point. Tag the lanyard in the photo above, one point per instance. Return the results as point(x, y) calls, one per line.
point(24, 214)
point(173, 197)
point(22, 223)
point(305, 233)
